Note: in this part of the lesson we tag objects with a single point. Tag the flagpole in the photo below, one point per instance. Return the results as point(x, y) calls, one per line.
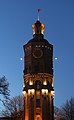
point(38, 13)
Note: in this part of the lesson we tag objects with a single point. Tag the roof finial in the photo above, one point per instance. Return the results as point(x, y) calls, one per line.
point(38, 13)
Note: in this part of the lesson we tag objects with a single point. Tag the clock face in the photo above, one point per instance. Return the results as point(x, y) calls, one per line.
point(37, 53)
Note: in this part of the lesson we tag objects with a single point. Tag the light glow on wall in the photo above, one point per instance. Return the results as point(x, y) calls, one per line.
point(31, 91)
point(52, 93)
point(24, 93)
point(45, 82)
point(42, 28)
point(44, 91)
point(30, 82)
point(38, 117)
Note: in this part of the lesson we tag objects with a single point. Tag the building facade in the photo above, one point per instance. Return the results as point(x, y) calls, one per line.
point(38, 76)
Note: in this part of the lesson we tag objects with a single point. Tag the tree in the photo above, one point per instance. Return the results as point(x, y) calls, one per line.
point(14, 108)
point(67, 110)
point(4, 90)
point(56, 110)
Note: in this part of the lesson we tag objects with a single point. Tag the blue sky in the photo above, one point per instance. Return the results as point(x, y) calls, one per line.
point(16, 18)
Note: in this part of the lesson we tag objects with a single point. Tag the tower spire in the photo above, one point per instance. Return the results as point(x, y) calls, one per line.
point(38, 13)
point(38, 27)
point(38, 76)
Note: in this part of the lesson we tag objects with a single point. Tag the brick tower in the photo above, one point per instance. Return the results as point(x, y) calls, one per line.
point(38, 76)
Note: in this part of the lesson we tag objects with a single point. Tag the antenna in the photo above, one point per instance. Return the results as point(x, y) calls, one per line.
point(38, 13)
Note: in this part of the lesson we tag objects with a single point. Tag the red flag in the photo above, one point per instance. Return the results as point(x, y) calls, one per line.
point(38, 11)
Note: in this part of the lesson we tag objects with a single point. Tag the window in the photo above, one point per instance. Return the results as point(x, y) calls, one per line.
point(37, 103)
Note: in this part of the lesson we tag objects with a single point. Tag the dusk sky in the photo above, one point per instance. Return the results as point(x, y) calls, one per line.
point(16, 18)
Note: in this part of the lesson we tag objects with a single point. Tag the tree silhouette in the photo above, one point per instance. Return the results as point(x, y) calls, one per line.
point(67, 110)
point(4, 90)
point(14, 108)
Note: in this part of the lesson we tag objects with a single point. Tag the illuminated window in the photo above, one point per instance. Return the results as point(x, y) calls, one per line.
point(24, 92)
point(45, 82)
point(30, 82)
point(44, 91)
point(52, 93)
point(31, 91)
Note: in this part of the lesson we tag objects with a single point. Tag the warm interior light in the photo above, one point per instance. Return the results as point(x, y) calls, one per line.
point(23, 85)
point(52, 85)
point(45, 82)
point(31, 91)
point(52, 93)
point(30, 82)
point(38, 117)
point(52, 82)
point(34, 28)
point(42, 28)
point(44, 91)
point(24, 92)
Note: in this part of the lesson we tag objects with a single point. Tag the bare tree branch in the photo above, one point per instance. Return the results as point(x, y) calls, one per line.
point(14, 108)
point(4, 87)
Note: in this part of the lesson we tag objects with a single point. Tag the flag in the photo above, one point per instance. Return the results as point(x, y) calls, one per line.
point(38, 11)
